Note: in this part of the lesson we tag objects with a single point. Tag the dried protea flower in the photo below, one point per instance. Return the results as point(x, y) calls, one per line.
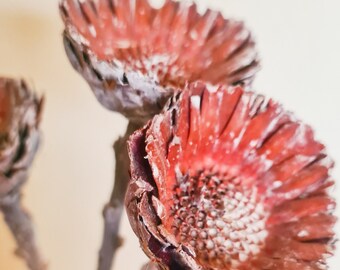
point(134, 55)
point(224, 179)
point(19, 138)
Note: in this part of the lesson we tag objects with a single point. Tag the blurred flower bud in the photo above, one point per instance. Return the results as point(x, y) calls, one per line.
point(19, 135)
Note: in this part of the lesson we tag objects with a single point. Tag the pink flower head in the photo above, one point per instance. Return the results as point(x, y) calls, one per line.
point(225, 179)
point(134, 55)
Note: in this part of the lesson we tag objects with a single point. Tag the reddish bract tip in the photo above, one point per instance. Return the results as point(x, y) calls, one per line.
point(135, 54)
point(225, 179)
point(19, 136)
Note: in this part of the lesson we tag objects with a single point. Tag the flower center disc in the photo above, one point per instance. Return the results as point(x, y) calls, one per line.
point(222, 223)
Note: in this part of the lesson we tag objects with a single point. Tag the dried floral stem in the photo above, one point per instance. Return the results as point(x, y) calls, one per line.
point(20, 224)
point(114, 209)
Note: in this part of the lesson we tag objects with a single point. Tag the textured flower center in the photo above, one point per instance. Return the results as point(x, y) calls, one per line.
point(224, 224)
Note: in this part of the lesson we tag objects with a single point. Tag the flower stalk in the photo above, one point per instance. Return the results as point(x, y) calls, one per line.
point(20, 223)
point(113, 210)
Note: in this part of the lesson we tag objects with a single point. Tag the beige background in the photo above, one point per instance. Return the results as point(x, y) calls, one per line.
point(72, 176)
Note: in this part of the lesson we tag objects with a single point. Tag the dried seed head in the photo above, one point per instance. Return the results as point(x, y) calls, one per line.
point(134, 56)
point(214, 160)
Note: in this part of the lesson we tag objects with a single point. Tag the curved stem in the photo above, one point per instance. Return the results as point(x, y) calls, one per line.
point(20, 224)
point(114, 209)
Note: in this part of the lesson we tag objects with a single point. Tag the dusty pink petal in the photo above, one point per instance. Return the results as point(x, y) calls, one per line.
point(233, 181)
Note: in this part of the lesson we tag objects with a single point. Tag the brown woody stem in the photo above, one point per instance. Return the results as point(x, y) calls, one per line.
point(114, 209)
point(20, 224)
